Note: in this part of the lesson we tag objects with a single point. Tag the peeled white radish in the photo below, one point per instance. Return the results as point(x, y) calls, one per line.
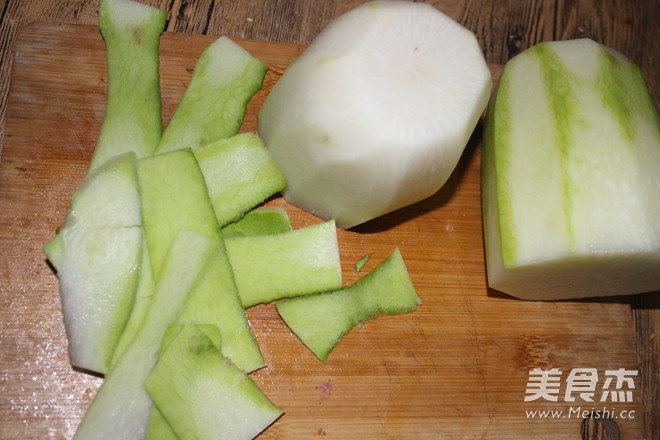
point(375, 114)
point(571, 182)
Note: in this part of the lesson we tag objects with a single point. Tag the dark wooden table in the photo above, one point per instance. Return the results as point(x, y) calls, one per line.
point(504, 28)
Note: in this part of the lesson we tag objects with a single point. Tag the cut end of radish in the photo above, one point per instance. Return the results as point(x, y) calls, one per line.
point(376, 113)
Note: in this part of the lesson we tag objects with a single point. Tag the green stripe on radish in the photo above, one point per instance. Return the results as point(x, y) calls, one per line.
point(562, 101)
point(609, 76)
point(570, 182)
point(502, 131)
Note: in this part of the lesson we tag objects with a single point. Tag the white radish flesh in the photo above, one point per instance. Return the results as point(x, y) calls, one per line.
point(571, 187)
point(376, 112)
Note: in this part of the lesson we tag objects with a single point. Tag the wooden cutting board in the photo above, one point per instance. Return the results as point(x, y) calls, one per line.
point(458, 367)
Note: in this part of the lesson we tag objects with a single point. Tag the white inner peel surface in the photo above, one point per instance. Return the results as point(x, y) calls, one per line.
point(97, 277)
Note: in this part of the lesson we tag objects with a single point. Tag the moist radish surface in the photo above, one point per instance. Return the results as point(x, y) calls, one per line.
point(571, 187)
point(375, 114)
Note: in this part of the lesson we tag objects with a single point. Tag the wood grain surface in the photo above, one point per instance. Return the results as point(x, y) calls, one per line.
point(458, 366)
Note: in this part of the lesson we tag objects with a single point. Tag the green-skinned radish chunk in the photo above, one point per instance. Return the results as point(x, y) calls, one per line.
point(215, 102)
point(299, 262)
point(121, 408)
point(261, 221)
point(174, 198)
point(132, 121)
point(239, 174)
point(571, 188)
point(321, 320)
point(376, 112)
point(214, 300)
point(203, 396)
